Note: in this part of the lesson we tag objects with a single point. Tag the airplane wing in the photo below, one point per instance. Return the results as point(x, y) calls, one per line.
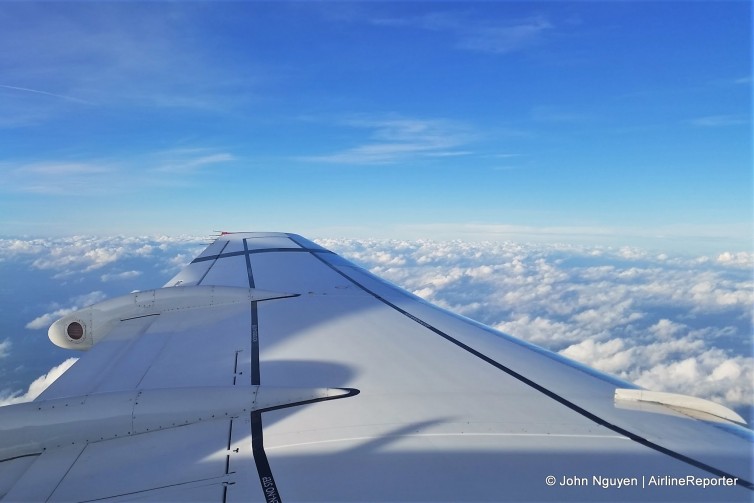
point(271, 369)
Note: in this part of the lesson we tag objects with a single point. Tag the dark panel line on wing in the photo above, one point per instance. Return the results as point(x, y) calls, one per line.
point(269, 488)
point(235, 367)
point(271, 493)
point(227, 456)
point(137, 317)
point(209, 480)
point(213, 264)
point(230, 430)
point(351, 392)
point(255, 374)
point(21, 456)
point(248, 263)
point(551, 394)
point(259, 250)
point(73, 463)
point(219, 256)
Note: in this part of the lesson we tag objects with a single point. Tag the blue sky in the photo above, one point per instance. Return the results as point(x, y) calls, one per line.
point(626, 123)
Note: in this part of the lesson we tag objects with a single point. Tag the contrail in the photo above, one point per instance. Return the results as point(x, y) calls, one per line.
point(78, 100)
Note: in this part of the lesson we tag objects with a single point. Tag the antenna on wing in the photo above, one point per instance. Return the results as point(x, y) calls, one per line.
point(213, 237)
point(217, 234)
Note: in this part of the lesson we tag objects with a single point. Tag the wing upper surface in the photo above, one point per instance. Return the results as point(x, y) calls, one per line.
point(446, 409)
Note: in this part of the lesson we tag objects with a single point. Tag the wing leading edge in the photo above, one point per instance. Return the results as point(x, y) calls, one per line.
point(371, 394)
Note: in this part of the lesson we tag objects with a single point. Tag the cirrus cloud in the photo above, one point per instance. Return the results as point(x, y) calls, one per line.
point(397, 139)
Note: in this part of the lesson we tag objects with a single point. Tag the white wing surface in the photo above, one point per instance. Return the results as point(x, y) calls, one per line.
point(271, 369)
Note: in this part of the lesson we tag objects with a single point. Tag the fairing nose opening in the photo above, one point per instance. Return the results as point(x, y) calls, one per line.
point(70, 333)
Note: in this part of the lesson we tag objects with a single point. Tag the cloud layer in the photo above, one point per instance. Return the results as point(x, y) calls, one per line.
point(666, 322)
point(65, 256)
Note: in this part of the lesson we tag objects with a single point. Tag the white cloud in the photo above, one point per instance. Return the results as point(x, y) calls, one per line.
point(80, 254)
point(38, 91)
point(5, 348)
point(89, 299)
point(475, 34)
point(45, 320)
point(121, 275)
point(63, 169)
point(183, 165)
point(506, 38)
point(180, 260)
point(59, 177)
point(394, 139)
point(712, 374)
point(38, 385)
point(144, 251)
point(665, 329)
point(186, 161)
point(611, 356)
point(63, 178)
point(113, 57)
point(740, 259)
point(539, 330)
point(20, 247)
point(717, 121)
